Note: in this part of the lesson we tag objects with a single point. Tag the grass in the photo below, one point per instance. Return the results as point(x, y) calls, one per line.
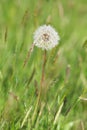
point(63, 100)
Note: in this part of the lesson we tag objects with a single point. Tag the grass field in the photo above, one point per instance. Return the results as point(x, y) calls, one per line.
point(62, 104)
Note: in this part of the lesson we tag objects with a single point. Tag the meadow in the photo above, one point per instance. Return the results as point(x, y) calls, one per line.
point(62, 104)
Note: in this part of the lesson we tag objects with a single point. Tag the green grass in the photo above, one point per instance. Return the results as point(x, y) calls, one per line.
point(62, 103)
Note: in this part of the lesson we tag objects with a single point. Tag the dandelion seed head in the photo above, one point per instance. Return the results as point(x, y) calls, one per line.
point(46, 37)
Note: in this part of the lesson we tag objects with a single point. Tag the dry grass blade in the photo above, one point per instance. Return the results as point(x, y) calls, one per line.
point(82, 125)
point(26, 116)
point(28, 55)
point(25, 17)
point(6, 32)
point(58, 114)
point(61, 10)
point(30, 78)
point(40, 113)
point(82, 98)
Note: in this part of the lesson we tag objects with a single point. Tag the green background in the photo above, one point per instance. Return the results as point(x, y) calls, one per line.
point(65, 71)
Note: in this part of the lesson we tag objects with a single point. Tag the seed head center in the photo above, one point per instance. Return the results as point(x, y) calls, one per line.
point(45, 37)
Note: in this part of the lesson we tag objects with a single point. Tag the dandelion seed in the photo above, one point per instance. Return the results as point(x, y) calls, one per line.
point(46, 37)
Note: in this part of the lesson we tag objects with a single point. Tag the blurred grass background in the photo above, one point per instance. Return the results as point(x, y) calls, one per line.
point(65, 104)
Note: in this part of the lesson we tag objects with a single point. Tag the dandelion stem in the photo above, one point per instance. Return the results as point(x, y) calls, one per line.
point(40, 91)
point(43, 69)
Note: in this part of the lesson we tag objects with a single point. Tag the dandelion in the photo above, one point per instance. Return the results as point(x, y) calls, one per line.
point(46, 37)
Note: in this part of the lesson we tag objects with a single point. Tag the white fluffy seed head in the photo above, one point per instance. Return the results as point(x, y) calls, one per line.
point(46, 37)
